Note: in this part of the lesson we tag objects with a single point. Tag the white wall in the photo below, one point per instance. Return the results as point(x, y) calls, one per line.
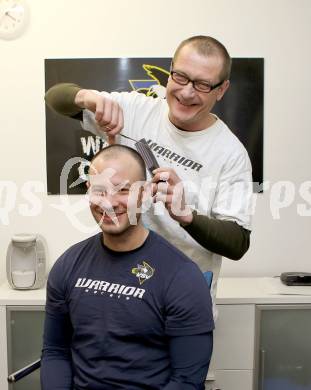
point(277, 30)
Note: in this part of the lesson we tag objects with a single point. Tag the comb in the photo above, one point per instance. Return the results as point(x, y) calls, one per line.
point(147, 155)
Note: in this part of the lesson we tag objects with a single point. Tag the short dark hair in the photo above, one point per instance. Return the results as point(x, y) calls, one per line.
point(207, 46)
point(117, 149)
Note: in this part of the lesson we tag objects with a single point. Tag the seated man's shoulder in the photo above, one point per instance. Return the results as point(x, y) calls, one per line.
point(76, 251)
point(170, 254)
point(64, 267)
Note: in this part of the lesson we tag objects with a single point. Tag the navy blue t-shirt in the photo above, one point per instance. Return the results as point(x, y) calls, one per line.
point(123, 306)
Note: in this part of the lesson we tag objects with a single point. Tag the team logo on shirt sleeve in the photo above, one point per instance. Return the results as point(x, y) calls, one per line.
point(143, 272)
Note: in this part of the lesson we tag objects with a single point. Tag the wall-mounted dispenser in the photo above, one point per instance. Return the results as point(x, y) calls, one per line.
point(26, 261)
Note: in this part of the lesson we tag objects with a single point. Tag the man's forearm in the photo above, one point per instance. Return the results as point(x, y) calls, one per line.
point(56, 371)
point(172, 385)
point(190, 358)
point(225, 238)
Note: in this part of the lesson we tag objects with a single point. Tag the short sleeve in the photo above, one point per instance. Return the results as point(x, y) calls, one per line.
point(138, 111)
point(55, 293)
point(234, 195)
point(188, 303)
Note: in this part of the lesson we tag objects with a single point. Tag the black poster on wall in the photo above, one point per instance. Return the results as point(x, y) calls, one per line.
point(241, 108)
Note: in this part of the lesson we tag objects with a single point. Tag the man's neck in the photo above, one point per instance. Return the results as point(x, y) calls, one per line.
point(129, 240)
point(211, 119)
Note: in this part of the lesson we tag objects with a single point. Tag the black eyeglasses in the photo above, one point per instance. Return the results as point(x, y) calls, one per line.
point(198, 85)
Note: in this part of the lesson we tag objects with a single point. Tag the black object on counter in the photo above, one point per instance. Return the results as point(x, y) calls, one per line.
point(296, 278)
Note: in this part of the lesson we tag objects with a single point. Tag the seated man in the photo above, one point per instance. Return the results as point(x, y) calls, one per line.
point(125, 309)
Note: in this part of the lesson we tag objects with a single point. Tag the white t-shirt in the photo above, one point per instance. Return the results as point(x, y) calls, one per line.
point(212, 163)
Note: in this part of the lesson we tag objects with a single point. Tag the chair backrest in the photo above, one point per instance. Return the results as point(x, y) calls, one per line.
point(208, 275)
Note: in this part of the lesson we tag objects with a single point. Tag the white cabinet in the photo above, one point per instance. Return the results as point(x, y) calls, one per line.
point(231, 380)
point(232, 365)
point(234, 337)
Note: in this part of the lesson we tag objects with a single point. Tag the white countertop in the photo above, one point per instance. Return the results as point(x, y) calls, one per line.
point(230, 291)
point(260, 291)
point(8, 296)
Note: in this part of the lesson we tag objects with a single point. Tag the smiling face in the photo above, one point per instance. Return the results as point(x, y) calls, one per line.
point(111, 201)
point(189, 109)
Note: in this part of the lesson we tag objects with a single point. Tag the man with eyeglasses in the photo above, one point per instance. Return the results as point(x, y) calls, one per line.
point(198, 155)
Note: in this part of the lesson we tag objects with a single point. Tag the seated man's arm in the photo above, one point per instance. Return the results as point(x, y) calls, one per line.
point(189, 326)
point(56, 372)
point(56, 365)
point(190, 358)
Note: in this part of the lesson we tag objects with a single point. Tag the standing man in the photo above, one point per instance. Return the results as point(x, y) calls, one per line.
point(125, 309)
point(195, 150)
